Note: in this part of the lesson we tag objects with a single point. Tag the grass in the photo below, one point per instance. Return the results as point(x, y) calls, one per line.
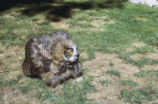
point(123, 29)
point(67, 93)
point(129, 83)
point(140, 95)
point(105, 83)
point(140, 62)
point(150, 74)
point(113, 72)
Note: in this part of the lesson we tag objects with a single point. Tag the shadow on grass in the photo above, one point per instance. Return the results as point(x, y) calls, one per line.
point(56, 11)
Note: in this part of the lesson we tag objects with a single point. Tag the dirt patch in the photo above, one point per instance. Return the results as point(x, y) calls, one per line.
point(98, 67)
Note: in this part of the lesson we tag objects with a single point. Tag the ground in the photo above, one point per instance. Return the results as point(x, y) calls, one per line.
point(117, 41)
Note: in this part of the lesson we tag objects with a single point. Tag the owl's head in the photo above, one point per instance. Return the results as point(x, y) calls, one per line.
point(65, 49)
point(71, 53)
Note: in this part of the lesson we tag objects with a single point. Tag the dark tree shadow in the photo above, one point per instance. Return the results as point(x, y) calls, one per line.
point(56, 11)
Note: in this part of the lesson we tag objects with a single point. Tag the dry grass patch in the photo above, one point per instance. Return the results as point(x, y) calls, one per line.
point(136, 56)
point(11, 15)
point(60, 25)
point(97, 23)
point(110, 22)
point(102, 63)
point(148, 55)
point(105, 95)
point(11, 58)
point(150, 67)
point(14, 97)
point(84, 56)
point(13, 75)
point(152, 55)
point(83, 22)
point(141, 19)
point(8, 16)
point(139, 44)
point(98, 67)
point(100, 22)
point(129, 50)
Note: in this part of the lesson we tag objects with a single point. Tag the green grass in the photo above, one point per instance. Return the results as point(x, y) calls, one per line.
point(140, 95)
point(71, 92)
point(111, 28)
point(105, 83)
point(150, 74)
point(129, 83)
point(140, 62)
point(113, 72)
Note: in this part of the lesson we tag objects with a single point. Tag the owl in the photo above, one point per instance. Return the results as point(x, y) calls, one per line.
point(53, 57)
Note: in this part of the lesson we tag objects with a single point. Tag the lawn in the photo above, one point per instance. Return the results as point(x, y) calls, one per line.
point(118, 42)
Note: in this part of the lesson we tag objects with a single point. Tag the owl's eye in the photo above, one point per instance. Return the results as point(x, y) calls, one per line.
point(68, 52)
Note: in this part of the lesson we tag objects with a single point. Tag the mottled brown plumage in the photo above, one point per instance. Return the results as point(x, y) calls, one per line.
point(53, 57)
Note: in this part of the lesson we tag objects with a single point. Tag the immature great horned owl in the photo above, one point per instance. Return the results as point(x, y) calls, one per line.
point(53, 57)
